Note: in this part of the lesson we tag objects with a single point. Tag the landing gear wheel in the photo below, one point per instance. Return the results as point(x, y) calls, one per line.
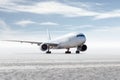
point(48, 52)
point(67, 52)
point(77, 52)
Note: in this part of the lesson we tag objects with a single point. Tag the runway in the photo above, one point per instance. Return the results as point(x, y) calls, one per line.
point(21, 63)
point(60, 71)
point(56, 69)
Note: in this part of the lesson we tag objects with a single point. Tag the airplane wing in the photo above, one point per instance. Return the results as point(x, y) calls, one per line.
point(32, 42)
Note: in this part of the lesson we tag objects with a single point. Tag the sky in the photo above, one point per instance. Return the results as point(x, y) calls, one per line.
point(99, 20)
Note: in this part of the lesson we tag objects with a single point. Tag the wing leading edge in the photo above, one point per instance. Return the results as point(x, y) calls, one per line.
point(33, 42)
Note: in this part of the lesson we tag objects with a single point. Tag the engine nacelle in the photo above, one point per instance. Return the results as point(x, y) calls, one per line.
point(83, 48)
point(44, 47)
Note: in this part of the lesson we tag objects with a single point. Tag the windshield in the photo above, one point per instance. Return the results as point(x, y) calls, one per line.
point(80, 35)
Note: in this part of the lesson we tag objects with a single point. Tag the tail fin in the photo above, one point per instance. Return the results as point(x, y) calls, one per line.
point(48, 35)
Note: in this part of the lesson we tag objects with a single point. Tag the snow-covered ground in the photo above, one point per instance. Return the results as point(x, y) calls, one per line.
point(27, 62)
point(60, 71)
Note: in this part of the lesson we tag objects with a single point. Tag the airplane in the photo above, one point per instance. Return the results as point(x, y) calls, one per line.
point(67, 41)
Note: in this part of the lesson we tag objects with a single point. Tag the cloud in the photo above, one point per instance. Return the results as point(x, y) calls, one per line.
point(55, 7)
point(49, 7)
point(25, 22)
point(115, 29)
point(78, 27)
point(7, 33)
point(49, 24)
point(111, 14)
point(3, 25)
point(5, 30)
point(85, 5)
point(8, 2)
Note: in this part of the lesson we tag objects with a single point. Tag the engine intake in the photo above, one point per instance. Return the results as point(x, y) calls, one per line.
point(44, 47)
point(83, 48)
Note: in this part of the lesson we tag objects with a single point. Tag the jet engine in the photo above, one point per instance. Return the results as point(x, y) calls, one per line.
point(44, 47)
point(83, 48)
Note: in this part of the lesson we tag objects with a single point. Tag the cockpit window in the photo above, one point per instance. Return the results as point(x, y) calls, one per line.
point(80, 35)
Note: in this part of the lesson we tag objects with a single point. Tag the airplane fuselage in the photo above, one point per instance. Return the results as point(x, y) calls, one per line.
point(70, 41)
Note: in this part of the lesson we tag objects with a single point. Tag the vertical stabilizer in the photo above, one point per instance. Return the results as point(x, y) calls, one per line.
point(48, 35)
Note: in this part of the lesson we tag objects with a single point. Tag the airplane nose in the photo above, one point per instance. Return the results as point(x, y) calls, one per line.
point(81, 37)
point(84, 39)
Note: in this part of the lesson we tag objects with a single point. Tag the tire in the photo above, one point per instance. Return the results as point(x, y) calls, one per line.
point(48, 52)
point(68, 52)
point(77, 52)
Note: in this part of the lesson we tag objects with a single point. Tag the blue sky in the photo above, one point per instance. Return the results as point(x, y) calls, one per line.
point(29, 19)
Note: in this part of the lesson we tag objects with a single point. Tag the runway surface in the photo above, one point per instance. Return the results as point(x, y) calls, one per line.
point(21, 63)
point(20, 68)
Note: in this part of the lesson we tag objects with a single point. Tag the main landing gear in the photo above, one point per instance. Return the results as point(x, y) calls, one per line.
point(68, 52)
point(78, 49)
point(77, 52)
point(48, 51)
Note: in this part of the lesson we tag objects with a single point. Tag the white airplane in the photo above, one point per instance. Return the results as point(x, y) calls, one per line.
point(65, 42)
